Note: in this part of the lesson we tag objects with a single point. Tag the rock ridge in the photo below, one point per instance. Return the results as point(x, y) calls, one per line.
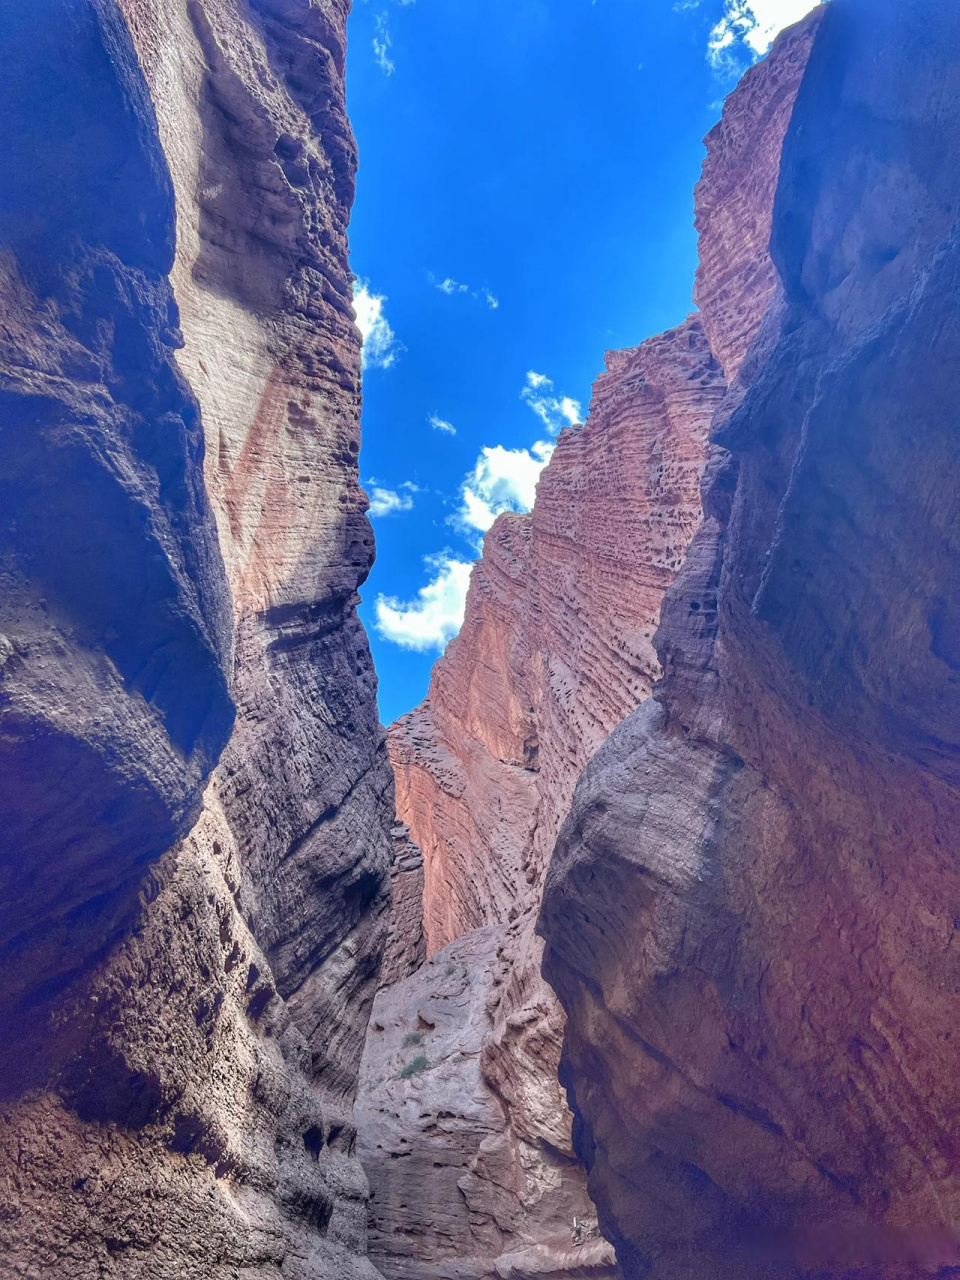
point(191, 1105)
point(748, 912)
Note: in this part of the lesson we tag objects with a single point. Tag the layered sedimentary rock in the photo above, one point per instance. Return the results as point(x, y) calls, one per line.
point(406, 942)
point(114, 610)
point(188, 1108)
point(736, 277)
point(555, 651)
point(751, 913)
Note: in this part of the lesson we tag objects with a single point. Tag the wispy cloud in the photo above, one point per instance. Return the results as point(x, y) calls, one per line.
point(554, 411)
point(748, 28)
point(452, 287)
point(388, 502)
point(380, 345)
point(435, 614)
point(440, 424)
point(382, 43)
point(449, 286)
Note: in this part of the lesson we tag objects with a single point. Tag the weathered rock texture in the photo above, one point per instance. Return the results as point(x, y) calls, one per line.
point(187, 1108)
point(431, 1132)
point(751, 915)
point(406, 942)
point(556, 650)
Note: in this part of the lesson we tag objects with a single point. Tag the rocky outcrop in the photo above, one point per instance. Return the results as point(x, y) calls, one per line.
point(556, 650)
point(114, 613)
point(750, 915)
point(736, 276)
point(446, 1194)
point(406, 941)
point(187, 1105)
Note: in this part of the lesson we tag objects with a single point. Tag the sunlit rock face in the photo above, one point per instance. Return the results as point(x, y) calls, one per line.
point(556, 650)
point(751, 912)
point(114, 609)
point(185, 1106)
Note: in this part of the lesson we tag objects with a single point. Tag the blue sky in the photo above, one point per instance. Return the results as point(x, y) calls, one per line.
point(524, 203)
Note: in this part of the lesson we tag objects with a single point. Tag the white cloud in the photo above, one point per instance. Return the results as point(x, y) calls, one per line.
point(381, 45)
point(440, 424)
point(380, 345)
point(501, 480)
point(450, 287)
point(435, 615)
point(554, 411)
point(749, 27)
point(387, 502)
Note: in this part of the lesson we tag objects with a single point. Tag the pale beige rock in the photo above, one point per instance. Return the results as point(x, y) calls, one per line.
point(450, 1199)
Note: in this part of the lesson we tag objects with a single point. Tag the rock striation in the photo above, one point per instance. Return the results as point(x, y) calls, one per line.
point(556, 650)
point(199, 961)
point(751, 914)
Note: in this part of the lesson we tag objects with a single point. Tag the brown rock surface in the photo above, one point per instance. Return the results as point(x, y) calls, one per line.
point(199, 1120)
point(406, 943)
point(751, 912)
point(736, 277)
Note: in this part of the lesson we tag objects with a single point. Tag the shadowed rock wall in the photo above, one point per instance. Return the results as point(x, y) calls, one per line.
point(198, 1118)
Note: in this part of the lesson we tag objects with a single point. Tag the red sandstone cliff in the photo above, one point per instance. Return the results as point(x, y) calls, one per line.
point(751, 912)
point(185, 1106)
point(556, 650)
point(485, 771)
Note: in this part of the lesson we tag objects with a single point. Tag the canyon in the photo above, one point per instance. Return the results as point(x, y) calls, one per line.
point(463, 1127)
point(630, 953)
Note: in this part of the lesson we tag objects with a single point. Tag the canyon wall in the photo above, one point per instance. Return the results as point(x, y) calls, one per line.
point(197, 971)
point(751, 914)
point(555, 651)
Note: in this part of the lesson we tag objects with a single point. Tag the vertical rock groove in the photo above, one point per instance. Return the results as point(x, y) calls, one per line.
point(198, 1113)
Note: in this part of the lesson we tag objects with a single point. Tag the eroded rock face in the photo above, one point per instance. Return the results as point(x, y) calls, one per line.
point(114, 610)
point(447, 1193)
point(736, 277)
point(751, 912)
point(556, 650)
point(201, 1119)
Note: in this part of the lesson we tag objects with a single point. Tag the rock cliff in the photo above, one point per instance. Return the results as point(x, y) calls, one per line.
point(181, 370)
point(751, 912)
point(556, 650)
